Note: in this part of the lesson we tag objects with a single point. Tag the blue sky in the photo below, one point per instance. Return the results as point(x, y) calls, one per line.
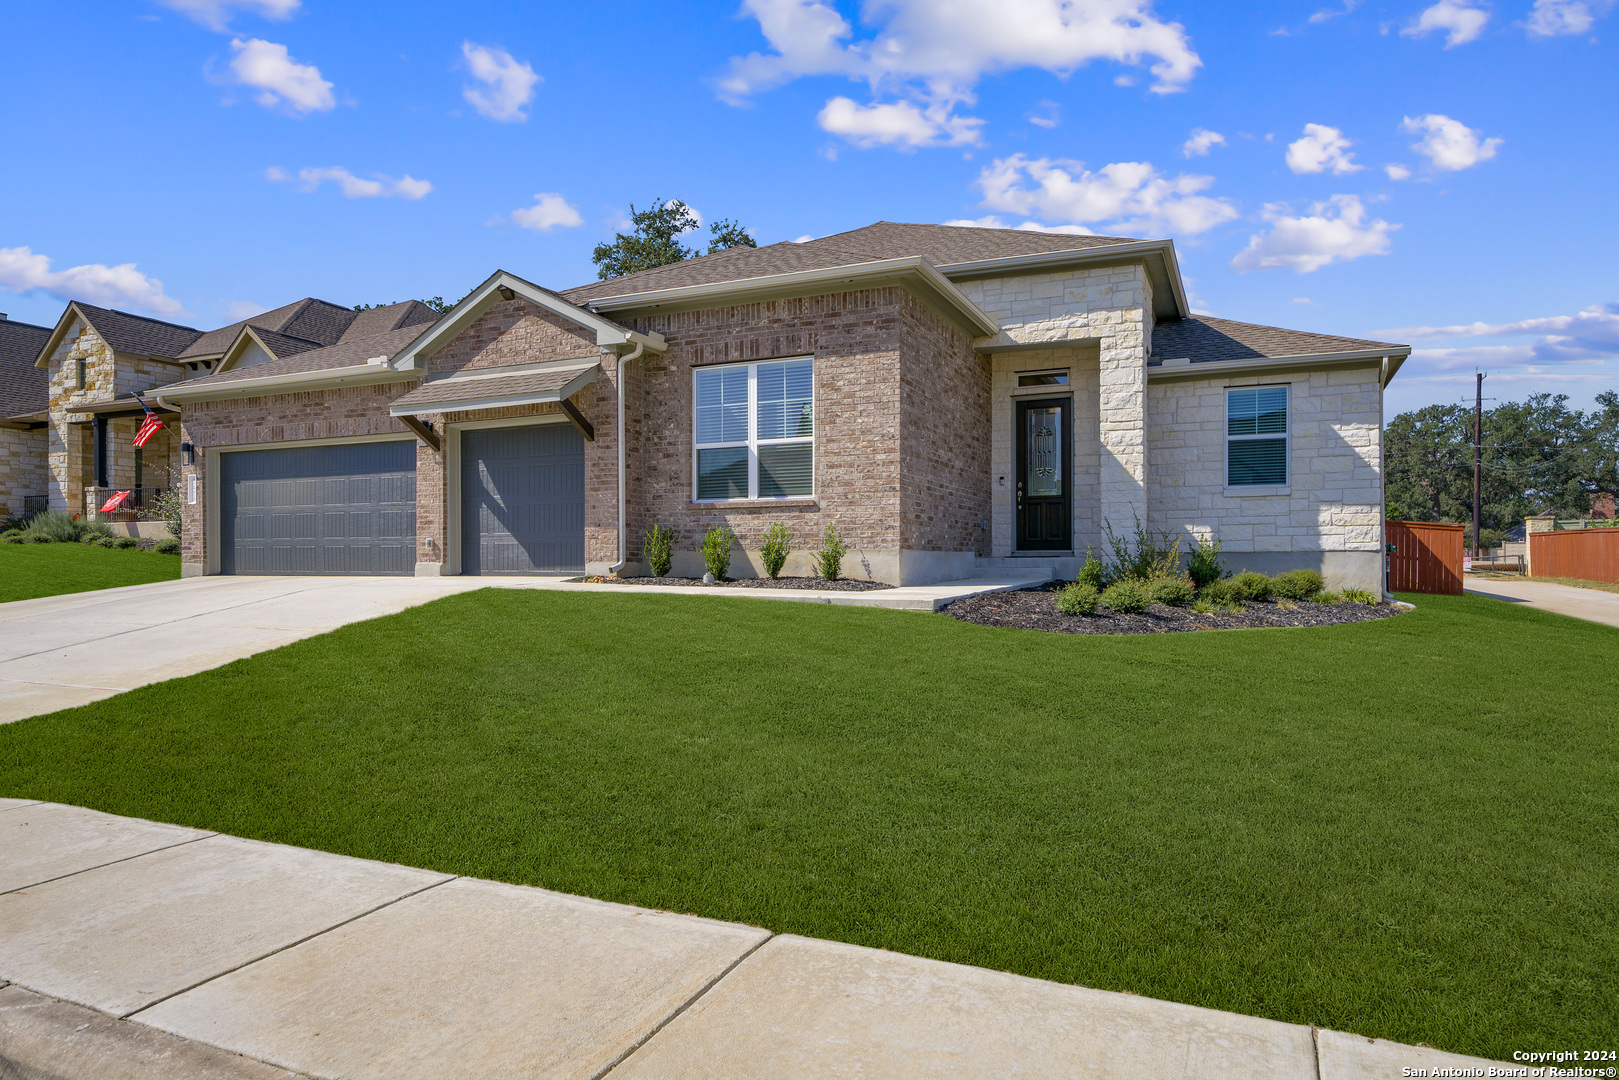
point(1439, 173)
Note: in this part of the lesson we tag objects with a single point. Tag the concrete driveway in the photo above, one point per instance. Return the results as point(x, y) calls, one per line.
point(1592, 605)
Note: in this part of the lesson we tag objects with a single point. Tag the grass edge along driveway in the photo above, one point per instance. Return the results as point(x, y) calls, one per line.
point(1406, 828)
point(28, 571)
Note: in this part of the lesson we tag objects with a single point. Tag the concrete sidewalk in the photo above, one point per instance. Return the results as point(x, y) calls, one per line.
point(60, 651)
point(137, 951)
point(1592, 605)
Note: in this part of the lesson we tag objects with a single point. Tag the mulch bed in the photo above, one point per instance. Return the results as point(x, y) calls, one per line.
point(840, 585)
point(1036, 609)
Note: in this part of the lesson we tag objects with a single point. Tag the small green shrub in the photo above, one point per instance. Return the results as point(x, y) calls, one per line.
point(1204, 565)
point(124, 543)
point(1252, 585)
point(658, 545)
point(167, 546)
point(1221, 592)
point(1359, 596)
point(100, 541)
point(1093, 573)
point(169, 507)
point(1204, 606)
point(36, 538)
point(11, 536)
point(717, 543)
point(1326, 598)
point(1126, 597)
point(1297, 584)
point(55, 526)
point(1079, 598)
point(1143, 555)
point(829, 560)
point(1174, 591)
point(778, 544)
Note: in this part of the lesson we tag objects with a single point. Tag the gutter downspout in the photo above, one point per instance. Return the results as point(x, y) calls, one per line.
point(623, 535)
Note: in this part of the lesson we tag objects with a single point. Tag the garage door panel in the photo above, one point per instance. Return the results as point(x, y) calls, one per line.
point(344, 509)
point(522, 494)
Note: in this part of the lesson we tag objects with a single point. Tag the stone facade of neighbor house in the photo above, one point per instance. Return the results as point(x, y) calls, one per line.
point(924, 346)
point(22, 468)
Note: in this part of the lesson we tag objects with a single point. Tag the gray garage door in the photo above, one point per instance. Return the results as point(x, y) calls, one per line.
point(523, 500)
point(319, 510)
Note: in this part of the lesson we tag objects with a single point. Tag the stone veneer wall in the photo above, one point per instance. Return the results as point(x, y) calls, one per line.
point(22, 467)
point(1334, 497)
point(71, 447)
point(1112, 307)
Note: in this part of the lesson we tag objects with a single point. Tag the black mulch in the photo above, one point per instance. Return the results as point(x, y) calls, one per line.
point(1036, 609)
point(840, 585)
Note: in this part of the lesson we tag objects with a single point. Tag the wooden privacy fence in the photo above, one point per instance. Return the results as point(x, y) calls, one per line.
point(1589, 554)
point(1425, 557)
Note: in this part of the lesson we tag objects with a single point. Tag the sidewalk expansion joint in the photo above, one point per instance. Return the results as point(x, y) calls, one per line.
point(289, 945)
point(109, 862)
point(694, 999)
point(1315, 1050)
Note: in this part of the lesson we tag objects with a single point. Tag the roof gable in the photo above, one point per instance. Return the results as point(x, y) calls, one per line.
point(319, 321)
point(123, 332)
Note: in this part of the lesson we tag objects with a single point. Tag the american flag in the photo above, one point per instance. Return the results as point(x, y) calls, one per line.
point(149, 426)
point(115, 502)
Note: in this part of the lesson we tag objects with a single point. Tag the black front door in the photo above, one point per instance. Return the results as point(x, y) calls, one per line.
point(1045, 454)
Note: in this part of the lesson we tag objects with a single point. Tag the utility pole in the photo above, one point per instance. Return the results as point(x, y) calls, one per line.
point(1478, 454)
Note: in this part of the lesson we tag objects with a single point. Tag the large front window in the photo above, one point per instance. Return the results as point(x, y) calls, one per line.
point(755, 430)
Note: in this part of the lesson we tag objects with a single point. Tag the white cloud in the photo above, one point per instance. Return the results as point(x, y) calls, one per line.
point(1327, 14)
point(22, 271)
point(354, 187)
point(902, 124)
point(1202, 141)
point(1592, 334)
point(279, 78)
point(1397, 172)
point(550, 211)
point(1130, 196)
point(930, 55)
point(806, 238)
point(214, 14)
point(1450, 144)
point(1321, 149)
point(237, 310)
point(1049, 116)
point(1561, 18)
point(507, 83)
point(992, 221)
point(1333, 231)
point(1459, 18)
point(1305, 300)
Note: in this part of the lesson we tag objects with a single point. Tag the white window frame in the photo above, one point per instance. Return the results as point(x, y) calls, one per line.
point(753, 442)
point(1286, 436)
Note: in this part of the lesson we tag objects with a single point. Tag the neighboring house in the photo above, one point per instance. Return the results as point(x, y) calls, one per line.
point(97, 360)
point(947, 397)
point(23, 394)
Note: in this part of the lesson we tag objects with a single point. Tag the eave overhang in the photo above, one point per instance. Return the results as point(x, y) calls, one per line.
point(296, 382)
point(1388, 361)
point(1163, 269)
point(499, 390)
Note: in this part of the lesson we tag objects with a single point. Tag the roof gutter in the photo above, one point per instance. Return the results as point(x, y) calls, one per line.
point(1388, 359)
point(290, 383)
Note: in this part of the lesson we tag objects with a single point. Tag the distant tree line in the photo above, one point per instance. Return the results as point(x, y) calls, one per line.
point(1540, 457)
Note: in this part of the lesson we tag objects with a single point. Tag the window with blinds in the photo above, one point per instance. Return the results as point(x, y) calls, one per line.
point(754, 430)
point(1256, 436)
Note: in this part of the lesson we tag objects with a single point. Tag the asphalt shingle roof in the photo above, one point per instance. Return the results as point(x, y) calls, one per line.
point(450, 391)
point(348, 353)
point(137, 333)
point(319, 321)
point(941, 245)
point(24, 388)
point(1203, 338)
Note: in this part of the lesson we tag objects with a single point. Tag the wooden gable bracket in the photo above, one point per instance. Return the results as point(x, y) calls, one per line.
point(585, 427)
point(424, 431)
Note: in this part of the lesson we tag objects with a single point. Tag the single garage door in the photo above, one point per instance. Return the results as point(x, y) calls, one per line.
point(319, 509)
point(523, 500)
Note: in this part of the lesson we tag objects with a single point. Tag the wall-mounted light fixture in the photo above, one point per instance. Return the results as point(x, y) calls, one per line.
point(188, 454)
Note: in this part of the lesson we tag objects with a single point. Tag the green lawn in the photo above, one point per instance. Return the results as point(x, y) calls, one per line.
point(1406, 828)
point(30, 570)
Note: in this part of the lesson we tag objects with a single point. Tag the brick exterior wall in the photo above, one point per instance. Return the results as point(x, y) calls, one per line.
point(514, 332)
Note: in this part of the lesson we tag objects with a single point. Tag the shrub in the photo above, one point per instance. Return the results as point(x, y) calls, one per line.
point(1252, 585)
point(1079, 598)
point(717, 551)
point(1359, 596)
point(167, 546)
point(11, 536)
point(829, 560)
point(1143, 555)
point(36, 538)
point(124, 543)
point(55, 526)
point(1126, 597)
point(1092, 573)
point(1172, 590)
point(658, 545)
point(1297, 584)
point(1204, 565)
point(1221, 592)
point(1490, 538)
point(169, 508)
point(99, 541)
point(778, 544)
point(1326, 598)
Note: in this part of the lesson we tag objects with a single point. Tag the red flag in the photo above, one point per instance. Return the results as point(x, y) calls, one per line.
point(115, 502)
point(149, 427)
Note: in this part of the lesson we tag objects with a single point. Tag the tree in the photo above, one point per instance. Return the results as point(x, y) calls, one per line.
point(437, 303)
point(654, 239)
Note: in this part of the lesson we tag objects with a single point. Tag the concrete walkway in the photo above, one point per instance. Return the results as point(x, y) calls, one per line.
point(1592, 605)
point(60, 651)
point(136, 951)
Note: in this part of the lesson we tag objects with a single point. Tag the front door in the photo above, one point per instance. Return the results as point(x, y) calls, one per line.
point(1045, 453)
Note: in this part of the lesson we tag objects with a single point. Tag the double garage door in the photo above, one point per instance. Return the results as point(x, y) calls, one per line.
point(351, 509)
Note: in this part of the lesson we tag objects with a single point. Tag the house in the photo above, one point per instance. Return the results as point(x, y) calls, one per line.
point(97, 363)
point(949, 398)
point(22, 418)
